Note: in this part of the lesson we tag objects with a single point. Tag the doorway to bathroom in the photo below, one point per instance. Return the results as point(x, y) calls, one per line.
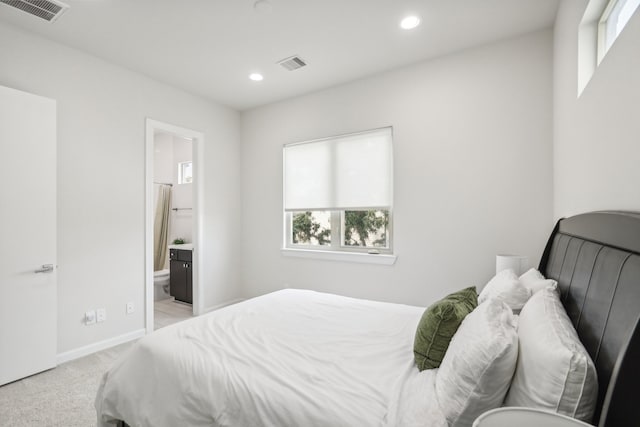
point(173, 192)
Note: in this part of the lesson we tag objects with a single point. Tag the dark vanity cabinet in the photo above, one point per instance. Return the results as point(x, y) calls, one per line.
point(181, 266)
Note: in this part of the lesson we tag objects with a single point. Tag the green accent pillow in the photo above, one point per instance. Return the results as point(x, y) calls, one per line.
point(438, 325)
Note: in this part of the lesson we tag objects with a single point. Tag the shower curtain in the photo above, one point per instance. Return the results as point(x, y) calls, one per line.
point(161, 227)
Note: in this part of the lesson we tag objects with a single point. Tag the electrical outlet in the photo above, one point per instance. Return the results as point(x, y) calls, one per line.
point(101, 314)
point(90, 317)
point(130, 308)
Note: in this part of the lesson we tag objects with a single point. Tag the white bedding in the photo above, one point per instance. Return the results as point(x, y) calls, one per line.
point(290, 358)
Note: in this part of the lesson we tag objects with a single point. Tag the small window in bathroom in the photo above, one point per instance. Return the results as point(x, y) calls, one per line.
point(185, 173)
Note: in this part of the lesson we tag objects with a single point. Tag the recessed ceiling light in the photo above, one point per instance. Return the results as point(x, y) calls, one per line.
point(410, 22)
point(256, 77)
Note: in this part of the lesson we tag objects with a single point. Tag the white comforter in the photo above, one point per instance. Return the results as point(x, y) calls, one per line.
point(290, 358)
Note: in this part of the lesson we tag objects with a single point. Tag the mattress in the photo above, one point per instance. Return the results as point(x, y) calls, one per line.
point(289, 358)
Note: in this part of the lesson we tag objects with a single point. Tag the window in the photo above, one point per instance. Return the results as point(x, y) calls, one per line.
point(602, 23)
point(357, 229)
point(613, 19)
point(185, 173)
point(338, 193)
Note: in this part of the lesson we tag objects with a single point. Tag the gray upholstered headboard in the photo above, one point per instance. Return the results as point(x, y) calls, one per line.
point(595, 257)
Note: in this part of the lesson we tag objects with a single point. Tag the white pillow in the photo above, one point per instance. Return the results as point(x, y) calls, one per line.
point(478, 366)
point(535, 281)
point(554, 370)
point(506, 287)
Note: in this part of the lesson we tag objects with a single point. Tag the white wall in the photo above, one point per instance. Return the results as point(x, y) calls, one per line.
point(473, 171)
point(171, 150)
point(162, 172)
point(596, 136)
point(181, 220)
point(163, 158)
point(101, 139)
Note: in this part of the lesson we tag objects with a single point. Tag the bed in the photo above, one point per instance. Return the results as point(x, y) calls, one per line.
point(295, 357)
point(595, 257)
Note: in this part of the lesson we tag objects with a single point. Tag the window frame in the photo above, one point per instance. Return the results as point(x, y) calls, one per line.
point(607, 36)
point(181, 166)
point(337, 251)
point(338, 245)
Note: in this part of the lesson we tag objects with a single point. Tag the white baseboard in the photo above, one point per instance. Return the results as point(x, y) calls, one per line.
point(67, 356)
point(224, 304)
point(100, 345)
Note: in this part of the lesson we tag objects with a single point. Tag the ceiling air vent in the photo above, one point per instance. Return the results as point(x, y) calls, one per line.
point(49, 10)
point(292, 63)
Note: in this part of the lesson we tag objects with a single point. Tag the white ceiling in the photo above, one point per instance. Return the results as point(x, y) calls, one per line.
point(209, 47)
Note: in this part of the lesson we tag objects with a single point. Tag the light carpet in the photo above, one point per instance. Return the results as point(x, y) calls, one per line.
point(62, 396)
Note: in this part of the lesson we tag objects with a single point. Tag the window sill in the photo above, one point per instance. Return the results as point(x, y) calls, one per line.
point(381, 259)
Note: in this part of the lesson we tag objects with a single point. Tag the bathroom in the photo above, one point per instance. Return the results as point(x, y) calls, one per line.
point(172, 228)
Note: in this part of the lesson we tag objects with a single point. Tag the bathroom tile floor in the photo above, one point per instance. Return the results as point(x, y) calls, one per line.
point(167, 312)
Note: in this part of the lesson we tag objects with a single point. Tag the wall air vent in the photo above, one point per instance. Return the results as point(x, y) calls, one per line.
point(49, 10)
point(292, 63)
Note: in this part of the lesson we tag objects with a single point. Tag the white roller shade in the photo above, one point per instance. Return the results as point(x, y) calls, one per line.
point(346, 172)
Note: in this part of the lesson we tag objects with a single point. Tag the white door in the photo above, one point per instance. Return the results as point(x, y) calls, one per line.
point(28, 298)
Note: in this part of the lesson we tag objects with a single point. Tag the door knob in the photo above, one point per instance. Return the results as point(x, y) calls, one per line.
point(46, 268)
